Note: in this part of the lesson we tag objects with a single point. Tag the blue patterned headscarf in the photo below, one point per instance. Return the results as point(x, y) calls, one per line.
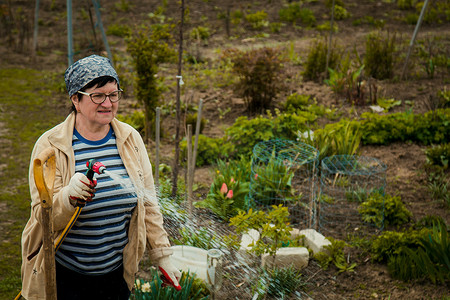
point(87, 69)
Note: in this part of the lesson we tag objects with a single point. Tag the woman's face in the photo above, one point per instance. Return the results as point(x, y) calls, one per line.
point(95, 116)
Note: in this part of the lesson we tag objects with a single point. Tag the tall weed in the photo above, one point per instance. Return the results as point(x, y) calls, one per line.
point(314, 68)
point(380, 55)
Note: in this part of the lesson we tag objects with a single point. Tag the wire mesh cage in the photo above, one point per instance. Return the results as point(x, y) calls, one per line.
point(346, 181)
point(284, 172)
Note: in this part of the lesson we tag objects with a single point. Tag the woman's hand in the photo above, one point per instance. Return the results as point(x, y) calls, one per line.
point(171, 274)
point(80, 189)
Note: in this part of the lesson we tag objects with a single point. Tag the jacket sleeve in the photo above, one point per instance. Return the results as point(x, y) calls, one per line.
point(158, 244)
point(61, 208)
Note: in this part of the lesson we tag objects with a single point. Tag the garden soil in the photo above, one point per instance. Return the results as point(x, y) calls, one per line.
point(405, 161)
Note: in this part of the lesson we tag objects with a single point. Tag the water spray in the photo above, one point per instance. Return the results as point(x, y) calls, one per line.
point(93, 167)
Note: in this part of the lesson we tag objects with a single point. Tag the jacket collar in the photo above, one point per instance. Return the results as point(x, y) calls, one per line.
point(121, 132)
point(62, 138)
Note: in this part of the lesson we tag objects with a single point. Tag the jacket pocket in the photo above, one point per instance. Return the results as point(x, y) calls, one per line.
point(34, 253)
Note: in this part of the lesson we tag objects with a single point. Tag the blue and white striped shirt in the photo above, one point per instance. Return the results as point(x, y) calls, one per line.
point(95, 243)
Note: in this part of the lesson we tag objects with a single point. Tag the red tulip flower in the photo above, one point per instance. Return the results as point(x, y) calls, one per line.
point(224, 188)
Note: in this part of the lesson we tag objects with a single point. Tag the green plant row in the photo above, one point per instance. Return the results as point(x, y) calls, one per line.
point(431, 260)
point(432, 127)
point(245, 133)
point(342, 137)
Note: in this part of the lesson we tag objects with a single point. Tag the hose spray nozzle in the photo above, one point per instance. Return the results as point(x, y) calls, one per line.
point(94, 167)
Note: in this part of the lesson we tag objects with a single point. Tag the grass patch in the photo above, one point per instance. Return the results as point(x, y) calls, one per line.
point(29, 107)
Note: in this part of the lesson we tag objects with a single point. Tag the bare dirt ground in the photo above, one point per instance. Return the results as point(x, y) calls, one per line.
point(404, 161)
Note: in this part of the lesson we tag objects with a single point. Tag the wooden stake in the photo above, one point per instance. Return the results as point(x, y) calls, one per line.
point(157, 135)
point(189, 172)
point(178, 118)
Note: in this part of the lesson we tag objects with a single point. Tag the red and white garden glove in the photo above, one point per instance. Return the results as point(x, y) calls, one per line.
point(170, 274)
point(80, 189)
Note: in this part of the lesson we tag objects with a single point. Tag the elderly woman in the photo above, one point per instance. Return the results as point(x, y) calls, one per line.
point(100, 255)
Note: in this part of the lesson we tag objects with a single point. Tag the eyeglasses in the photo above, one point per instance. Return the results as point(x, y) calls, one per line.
point(99, 98)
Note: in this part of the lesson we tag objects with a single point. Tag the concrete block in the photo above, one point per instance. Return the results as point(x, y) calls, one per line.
point(248, 238)
point(314, 240)
point(298, 257)
point(244, 256)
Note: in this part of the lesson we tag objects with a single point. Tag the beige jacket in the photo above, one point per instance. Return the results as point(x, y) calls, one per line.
point(146, 224)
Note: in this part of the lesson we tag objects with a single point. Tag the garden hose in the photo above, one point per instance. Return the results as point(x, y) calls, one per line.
point(93, 167)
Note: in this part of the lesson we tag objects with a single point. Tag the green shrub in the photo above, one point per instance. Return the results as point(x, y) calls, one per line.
point(245, 133)
point(379, 129)
point(438, 155)
point(296, 101)
point(302, 104)
point(429, 128)
point(260, 73)
point(429, 221)
point(273, 226)
point(291, 13)
point(236, 17)
point(191, 119)
point(411, 18)
point(120, 30)
point(257, 20)
point(379, 59)
point(444, 96)
point(389, 243)
point(406, 4)
point(438, 12)
point(334, 254)
point(226, 196)
point(384, 210)
point(369, 20)
point(208, 150)
point(430, 260)
point(285, 126)
point(200, 33)
point(340, 13)
point(294, 14)
point(136, 120)
point(326, 27)
point(317, 60)
point(275, 27)
point(149, 47)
